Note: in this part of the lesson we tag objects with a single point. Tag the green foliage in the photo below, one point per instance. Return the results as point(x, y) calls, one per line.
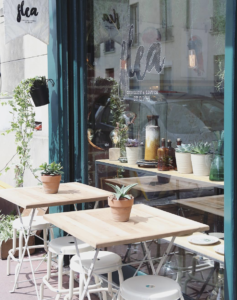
point(6, 227)
point(184, 148)
point(22, 124)
point(118, 109)
point(121, 192)
point(52, 169)
point(201, 148)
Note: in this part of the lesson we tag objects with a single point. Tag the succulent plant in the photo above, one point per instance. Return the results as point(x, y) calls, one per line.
point(132, 143)
point(121, 192)
point(201, 148)
point(184, 148)
point(52, 169)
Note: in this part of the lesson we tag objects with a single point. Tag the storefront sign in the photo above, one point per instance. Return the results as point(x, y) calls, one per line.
point(152, 60)
point(26, 17)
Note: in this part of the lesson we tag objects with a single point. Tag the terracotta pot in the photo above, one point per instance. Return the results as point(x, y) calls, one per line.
point(51, 183)
point(120, 209)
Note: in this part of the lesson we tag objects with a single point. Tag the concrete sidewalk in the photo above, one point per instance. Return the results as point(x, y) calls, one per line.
point(26, 290)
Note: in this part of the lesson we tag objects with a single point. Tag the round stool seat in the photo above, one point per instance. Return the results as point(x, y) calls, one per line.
point(150, 287)
point(107, 262)
point(66, 245)
point(39, 223)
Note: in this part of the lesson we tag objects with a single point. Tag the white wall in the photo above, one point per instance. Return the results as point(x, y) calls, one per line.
point(21, 59)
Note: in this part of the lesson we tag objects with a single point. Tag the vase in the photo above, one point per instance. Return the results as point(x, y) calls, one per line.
point(184, 163)
point(152, 138)
point(133, 154)
point(201, 164)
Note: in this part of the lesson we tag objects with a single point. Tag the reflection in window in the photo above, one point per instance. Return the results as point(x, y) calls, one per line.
point(166, 20)
point(109, 46)
point(134, 19)
point(109, 73)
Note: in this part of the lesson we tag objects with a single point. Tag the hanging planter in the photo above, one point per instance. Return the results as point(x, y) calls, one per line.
point(40, 91)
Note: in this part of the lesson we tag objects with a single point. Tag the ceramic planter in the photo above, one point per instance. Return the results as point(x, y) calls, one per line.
point(184, 163)
point(133, 154)
point(120, 209)
point(51, 183)
point(201, 164)
point(114, 154)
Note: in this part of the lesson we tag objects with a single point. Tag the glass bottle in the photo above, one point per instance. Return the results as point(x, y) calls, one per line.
point(152, 138)
point(218, 292)
point(171, 156)
point(217, 165)
point(163, 158)
point(179, 142)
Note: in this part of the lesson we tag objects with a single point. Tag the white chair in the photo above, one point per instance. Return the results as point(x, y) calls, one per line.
point(60, 246)
point(38, 224)
point(106, 263)
point(150, 287)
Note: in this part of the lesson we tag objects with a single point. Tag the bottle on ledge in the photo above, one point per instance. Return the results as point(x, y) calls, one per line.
point(163, 159)
point(179, 142)
point(171, 155)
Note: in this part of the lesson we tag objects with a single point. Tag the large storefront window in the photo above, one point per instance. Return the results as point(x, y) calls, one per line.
point(155, 81)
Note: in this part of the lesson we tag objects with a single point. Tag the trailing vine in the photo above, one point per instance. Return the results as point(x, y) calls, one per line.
point(22, 124)
point(118, 109)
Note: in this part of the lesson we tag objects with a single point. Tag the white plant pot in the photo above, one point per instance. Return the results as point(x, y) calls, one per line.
point(184, 164)
point(201, 164)
point(114, 153)
point(133, 154)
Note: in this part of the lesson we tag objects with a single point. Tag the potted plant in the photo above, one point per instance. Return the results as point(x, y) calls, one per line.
point(183, 159)
point(39, 91)
point(201, 158)
point(51, 177)
point(120, 202)
point(6, 235)
point(133, 151)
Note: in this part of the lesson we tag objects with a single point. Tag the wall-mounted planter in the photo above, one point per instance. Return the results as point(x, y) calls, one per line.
point(184, 163)
point(40, 93)
point(201, 164)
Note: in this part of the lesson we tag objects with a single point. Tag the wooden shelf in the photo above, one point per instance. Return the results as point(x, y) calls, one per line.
point(173, 174)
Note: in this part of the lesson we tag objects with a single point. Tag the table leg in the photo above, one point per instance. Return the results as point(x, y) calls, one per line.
point(26, 238)
point(148, 253)
point(165, 255)
point(90, 271)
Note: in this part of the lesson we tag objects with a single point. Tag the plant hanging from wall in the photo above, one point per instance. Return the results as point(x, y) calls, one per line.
point(22, 124)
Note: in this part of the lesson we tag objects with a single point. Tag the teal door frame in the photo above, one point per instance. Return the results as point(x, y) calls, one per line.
point(67, 108)
point(230, 120)
point(68, 111)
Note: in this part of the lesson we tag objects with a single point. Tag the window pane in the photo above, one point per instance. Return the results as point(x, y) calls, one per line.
point(156, 77)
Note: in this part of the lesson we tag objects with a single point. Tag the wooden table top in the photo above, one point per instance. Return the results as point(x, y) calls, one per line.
point(174, 174)
point(211, 204)
point(207, 251)
point(97, 228)
point(150, 184)
point(69, 193)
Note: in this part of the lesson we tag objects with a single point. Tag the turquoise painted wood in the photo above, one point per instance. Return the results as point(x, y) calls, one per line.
point(58, 107)
point(230, 153)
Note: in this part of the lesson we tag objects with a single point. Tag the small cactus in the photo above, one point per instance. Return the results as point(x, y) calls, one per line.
point(121, 192)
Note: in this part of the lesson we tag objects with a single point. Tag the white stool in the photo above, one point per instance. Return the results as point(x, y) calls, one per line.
point(60, 246)
point(107, 262)
point(39, 223)
point(150, 287)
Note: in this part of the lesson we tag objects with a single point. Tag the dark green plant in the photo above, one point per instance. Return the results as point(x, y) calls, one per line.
point(122, 192)
point(6, 231)
point(52, 169)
